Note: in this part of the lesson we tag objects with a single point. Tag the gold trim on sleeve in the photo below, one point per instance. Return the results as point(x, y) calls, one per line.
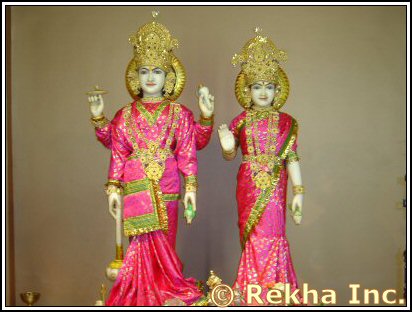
point(191, 183)
point(206, 121)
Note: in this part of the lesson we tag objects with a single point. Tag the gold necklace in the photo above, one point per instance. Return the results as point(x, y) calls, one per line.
point(154, 158)
point(262, 178)
point(152, 99)
point(262, 109)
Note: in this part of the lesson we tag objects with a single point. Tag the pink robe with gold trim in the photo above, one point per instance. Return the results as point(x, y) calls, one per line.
point(152, 272)
point(203, 133)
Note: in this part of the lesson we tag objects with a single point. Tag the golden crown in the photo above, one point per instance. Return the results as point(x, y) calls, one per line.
point(153, 45)
point(259, 59)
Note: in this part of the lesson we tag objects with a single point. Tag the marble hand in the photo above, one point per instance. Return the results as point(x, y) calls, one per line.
point(115, 202)
point(96, 105)
point(190, 197)
point(227, 139)
point(296, 209)
point(206, 101)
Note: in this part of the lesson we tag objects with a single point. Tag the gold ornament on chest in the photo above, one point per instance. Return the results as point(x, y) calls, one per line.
point(262, 164)
point(154, 170)
point(153, 157)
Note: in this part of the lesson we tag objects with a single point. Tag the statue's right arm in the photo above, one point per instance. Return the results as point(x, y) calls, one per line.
point(104, 135)
point(101, 124)
point(120, 152)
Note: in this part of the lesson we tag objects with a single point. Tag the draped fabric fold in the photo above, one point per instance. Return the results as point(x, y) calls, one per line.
point(152, 274)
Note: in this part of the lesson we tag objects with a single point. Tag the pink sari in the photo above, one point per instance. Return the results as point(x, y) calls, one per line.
point(265, 259)
point(152, 272)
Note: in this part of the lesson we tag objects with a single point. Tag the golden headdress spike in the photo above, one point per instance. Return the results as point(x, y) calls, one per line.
point(258, 29)
point(155, 14)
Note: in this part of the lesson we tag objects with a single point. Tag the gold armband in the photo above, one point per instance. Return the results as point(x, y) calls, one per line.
point(99, 122)
point(298, 189)
point(191, 183)
point(206, 121)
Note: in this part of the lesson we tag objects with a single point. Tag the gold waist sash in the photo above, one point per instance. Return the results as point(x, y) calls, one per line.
point(143, 185)
point(263, 159)
point(144, 153)
point(157, 219)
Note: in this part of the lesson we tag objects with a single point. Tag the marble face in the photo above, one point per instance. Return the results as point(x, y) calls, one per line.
point(263, 93)
point(152, 80)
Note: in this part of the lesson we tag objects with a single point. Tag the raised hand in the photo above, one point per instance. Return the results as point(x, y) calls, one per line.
point(206, 101)
point(227, 139)
point(96, 105)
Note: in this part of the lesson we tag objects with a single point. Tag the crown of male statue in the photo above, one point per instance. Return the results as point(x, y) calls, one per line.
point(153, 45)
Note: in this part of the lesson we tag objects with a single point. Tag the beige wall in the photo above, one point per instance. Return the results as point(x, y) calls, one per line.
point(347, 71)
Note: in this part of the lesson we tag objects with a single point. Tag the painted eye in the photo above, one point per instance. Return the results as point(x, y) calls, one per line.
point(143, 71)
point(158, 71)
point(270, 87)
point(256, 87)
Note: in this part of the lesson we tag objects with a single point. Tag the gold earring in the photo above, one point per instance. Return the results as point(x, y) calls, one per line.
point(169, 83)
point(247, 95)
point(275, 102)
point(134, 82)
point(135, 85)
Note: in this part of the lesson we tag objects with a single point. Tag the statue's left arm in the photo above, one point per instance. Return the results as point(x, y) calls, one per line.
point(204, 128)
point(294, 172)
point(186, 156)
point(203, 131)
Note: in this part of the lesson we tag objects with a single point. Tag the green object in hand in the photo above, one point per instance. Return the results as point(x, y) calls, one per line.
point(189, 212)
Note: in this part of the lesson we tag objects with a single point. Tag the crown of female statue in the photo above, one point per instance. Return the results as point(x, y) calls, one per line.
point(153, 45)
point(259, 59)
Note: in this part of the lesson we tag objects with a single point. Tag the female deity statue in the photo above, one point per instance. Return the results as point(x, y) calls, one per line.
point(268, 141)
point(151, 140)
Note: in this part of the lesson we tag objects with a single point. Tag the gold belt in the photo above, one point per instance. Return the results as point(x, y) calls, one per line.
point(144, 152)
point(263, 159)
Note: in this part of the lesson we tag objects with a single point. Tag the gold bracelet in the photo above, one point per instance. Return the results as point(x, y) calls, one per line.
point(98, 118)
point(298, 189)
point(206, 121)
point(113, 186)
point(114, 182)
point(191, 183)
point(113, 189)
point(99, 122)
point(292, 157)
point(229, 155)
